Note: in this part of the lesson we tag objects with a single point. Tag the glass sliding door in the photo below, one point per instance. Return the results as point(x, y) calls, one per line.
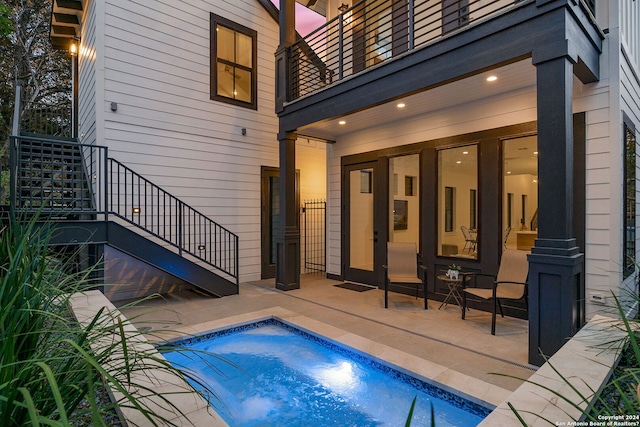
point(458, 234)
point(361, 219)
point(360, 231)
point(404, 199)
point(520, 192)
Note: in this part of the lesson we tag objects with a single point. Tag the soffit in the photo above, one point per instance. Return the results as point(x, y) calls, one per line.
point(65, 22)
point(511, 79)
point(318, 6)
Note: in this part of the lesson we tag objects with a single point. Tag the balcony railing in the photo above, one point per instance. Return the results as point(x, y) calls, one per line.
point(374, 31)
point(54, 120)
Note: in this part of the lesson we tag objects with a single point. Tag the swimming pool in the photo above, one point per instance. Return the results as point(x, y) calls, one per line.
point(282, 376)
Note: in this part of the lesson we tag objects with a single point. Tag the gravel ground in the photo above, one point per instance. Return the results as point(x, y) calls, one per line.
point(611, 396)
point(82, 418)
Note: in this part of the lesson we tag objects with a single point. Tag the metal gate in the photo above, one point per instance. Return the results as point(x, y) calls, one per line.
point(314, 213)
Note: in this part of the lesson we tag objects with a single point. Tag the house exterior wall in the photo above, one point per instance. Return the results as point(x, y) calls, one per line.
point(607, 102)
point(561, 89)
point(152, 59)
point(603, 102)
point(87, 62)
point(629, 77)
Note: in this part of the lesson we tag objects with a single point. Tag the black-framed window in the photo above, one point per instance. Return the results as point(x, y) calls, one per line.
point(233, 63)
point(629, 208)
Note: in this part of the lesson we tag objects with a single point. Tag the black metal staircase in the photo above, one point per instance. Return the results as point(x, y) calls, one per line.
point(98, 200)
point(49, 176)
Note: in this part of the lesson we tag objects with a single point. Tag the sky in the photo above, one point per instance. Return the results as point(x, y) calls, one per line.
point(306, 19)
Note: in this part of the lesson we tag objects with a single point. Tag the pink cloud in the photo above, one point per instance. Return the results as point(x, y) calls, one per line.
point(306, 19)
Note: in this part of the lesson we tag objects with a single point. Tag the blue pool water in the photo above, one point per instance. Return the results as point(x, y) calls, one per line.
point(275, 375)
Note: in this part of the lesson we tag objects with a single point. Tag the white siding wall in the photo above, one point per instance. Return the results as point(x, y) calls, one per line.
point(603, 192)
point(630, 93)
point(87, 76)
point(629, 30)
point(617, 92)
point(156, 68)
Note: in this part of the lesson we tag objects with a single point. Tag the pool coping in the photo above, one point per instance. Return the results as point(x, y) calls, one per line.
point(195, 409)
point(585, 361)
point(580, 359)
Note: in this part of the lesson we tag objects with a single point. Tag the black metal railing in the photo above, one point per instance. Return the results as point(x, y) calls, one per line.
point(315, 240)
point(54, 120)
point(374, 31)
point(56, 177)
point(142, 203)
point(63, 180)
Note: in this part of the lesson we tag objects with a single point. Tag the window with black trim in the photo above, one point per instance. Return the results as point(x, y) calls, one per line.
point(233, 63)
point(629, 208)
point(457, 176)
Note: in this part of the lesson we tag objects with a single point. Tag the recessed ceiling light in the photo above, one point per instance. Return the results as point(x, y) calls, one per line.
point(508, 172)
point(342, 122)
point(492, 78)
point(465, 152)
point(401, 105)
point(535, 153)
point(459, 161)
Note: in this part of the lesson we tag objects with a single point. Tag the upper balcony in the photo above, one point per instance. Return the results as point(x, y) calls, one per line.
point(374, 32)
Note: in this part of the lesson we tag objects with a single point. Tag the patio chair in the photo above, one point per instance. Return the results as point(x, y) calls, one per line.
point(509, 284)
point(402, 269)
point(469, 240)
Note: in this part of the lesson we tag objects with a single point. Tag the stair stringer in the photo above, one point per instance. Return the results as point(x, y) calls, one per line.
point(138, 246)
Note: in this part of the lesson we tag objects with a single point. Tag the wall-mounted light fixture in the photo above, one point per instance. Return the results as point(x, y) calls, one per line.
point(73, 48)
point(136, 210)
point(201, 247)
point(345, 16)
point(243, 131)
point(114, 106)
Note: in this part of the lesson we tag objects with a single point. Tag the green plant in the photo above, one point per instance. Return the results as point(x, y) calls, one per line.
point(412, 408)
point(53, 371)
point(455, 267)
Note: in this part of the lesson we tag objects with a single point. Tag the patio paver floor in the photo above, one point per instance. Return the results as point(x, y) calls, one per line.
point(439, 336)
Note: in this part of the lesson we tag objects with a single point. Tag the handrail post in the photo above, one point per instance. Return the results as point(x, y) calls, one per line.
point(180, 231)
point(15, 127)
point(13, 170)
point(411, 25)
point(340, 46)
point(237, 261)
point(106, 184)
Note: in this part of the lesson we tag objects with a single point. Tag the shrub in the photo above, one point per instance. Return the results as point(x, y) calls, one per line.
point(52, 370)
